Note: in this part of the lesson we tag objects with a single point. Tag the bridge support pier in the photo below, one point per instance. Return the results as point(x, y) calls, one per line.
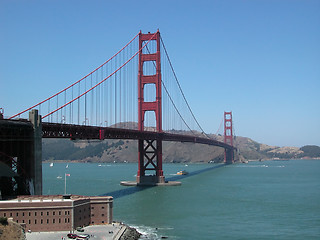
point(150, 150)
point(21, 156)
point(229, 156)
point(35, 119)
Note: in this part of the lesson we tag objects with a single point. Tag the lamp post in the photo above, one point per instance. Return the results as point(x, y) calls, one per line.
point(65, 182)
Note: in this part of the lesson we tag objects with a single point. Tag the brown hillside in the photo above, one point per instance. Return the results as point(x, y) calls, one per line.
point(12, 231)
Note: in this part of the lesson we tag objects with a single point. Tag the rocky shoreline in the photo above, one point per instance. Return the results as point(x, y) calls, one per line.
point(130, 234)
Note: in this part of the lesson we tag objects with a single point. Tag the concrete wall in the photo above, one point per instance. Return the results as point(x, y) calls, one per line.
point(35, 119)
point(101, 210)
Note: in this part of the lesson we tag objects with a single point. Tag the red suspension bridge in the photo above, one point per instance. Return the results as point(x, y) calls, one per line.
point(133, 95)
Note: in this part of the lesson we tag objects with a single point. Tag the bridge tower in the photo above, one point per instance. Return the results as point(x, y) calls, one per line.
point(150, 150)
point(228, 138)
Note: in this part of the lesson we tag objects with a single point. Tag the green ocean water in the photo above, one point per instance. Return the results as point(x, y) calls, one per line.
point(258, 200)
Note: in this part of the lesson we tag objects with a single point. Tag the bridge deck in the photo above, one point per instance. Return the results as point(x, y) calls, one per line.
point(54, 130)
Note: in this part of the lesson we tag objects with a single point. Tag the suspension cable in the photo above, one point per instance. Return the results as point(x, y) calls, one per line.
point(174, 105)
point(76, 81)
point(219, 126)
point(78, 97)
point(181, 88)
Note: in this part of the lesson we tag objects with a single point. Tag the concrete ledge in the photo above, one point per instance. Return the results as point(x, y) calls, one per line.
point(135, 184)
point(120, 233)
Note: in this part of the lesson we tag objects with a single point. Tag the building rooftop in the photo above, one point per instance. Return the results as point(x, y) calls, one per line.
point(52, 198)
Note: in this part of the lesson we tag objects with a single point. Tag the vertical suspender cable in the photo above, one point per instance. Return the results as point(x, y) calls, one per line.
point(120, 91)
point(79, 107)
point(57, 107)
point(115, 94)
point(181, 88)
point(85, 103)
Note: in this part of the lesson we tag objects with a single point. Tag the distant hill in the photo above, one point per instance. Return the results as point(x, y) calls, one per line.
point(310, 151)
point(127, 150)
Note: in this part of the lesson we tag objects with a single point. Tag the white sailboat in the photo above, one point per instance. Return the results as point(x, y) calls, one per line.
point(51, 164)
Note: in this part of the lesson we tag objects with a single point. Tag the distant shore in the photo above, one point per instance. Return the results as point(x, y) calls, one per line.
point(249, 160)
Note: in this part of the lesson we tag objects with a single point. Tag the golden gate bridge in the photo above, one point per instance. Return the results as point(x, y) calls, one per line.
point(133, 95)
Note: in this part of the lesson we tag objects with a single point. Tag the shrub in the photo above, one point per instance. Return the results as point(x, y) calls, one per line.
point(3, 221)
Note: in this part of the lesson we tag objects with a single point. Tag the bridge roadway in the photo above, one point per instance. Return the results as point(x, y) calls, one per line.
point(56, 130)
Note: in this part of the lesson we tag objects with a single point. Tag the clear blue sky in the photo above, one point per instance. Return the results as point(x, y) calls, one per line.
point(258, 58)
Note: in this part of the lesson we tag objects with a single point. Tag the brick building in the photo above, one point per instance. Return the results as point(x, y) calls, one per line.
point(58, 213)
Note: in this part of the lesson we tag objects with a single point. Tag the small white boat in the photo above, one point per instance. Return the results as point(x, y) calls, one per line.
point(59, 177)
point(67, 166)
point(51, 164)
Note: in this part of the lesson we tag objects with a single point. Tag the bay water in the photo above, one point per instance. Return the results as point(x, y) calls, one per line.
point(258, 200)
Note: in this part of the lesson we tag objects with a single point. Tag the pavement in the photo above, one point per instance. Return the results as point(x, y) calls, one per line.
point(96, 232)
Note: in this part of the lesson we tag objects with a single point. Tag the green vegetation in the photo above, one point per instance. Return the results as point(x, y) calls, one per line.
point(3, 221)
point(310, 151)
point(126, 151)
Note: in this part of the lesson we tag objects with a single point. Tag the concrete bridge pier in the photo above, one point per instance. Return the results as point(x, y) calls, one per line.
point(229, 156)
point(21, 156)
point(36, 122)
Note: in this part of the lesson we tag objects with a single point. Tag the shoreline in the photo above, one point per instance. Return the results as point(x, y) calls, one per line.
point(249, 160)
point(129, 233)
